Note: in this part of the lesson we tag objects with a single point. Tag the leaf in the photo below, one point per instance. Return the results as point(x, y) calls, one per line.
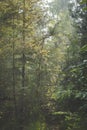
point(83, 1)
point(60, 113)
point(85, 8)
point(84, 48)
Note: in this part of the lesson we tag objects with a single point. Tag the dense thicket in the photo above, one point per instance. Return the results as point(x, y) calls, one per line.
point(72, 99)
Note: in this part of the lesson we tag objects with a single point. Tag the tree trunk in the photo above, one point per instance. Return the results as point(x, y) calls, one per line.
point(13, 76)
point(23, 71)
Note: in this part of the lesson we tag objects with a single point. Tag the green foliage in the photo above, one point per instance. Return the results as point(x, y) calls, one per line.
point(72, 121)
point(84, 48)
point(43, 63)
point(83, 2)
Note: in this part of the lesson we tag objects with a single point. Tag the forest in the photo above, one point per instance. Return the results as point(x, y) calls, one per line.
point(43, 64)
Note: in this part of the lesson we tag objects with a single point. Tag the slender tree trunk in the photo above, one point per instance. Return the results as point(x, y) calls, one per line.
point(23, 70)
point(13, 76)
point(23, 54)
